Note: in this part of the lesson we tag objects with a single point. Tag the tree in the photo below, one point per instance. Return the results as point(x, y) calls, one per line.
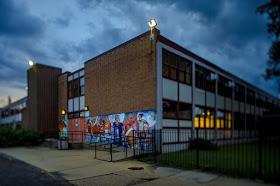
point(272, 9)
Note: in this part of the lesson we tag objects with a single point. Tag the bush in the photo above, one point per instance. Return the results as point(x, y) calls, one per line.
point(10, 137)
point(202, 144)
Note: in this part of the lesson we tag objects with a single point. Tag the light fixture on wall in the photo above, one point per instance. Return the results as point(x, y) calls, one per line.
point(152, 24)
point(86, 108)
point(63, 112)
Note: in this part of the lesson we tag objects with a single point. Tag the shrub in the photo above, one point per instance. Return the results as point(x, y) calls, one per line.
point(202, 144)
point(10, 137)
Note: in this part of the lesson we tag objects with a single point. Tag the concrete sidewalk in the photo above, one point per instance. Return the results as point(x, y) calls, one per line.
point(80, 168)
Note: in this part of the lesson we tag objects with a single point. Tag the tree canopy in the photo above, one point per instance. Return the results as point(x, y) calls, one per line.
point(272, 9)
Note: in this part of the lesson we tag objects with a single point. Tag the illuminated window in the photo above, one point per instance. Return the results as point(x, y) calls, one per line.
point(204, 117)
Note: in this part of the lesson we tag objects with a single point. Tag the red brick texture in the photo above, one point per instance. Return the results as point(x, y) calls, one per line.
point(122, 79)
point(62, 95)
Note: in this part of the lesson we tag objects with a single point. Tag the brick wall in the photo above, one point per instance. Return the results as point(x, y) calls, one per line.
point(122, 79)
point(62, 95)
point(43, 97)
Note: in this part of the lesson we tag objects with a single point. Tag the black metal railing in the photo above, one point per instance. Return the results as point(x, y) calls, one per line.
point(235, 153)
point(250, 154)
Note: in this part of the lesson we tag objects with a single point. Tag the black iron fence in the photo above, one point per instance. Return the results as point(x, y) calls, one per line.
point(235, 153)
point(249, 154)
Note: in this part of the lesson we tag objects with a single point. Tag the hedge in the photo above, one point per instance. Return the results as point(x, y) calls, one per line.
point(10, 137)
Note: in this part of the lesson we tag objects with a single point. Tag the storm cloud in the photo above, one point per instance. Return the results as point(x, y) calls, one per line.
point(69, 32)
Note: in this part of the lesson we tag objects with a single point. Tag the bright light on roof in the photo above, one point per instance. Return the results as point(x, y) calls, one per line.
point(31, 63)
point(152, 23)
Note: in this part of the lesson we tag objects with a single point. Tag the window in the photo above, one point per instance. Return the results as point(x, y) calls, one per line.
point(185, 111)
point(76, 92)
point(82, 86)
point(203, 79)
point(250, 96)
point(267, 103)
point(239, 92)
point(239, 121)
point(176, 110)
point(76, 88)
point(169, 109)
point(259, 100)
point(176, 68)
point(224, 88)
point(204, 117)
point(224, 119)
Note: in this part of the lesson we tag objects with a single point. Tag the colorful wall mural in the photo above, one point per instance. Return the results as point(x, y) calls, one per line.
point(63, 128)
point(118, 128)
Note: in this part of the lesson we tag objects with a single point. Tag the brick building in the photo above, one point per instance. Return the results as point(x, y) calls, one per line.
point(152, 80)
point(179, 89)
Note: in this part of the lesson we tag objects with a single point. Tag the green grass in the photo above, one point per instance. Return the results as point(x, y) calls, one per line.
point(240, 160)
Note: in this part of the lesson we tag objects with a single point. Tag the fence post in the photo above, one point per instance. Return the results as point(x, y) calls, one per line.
point(94, 150)
point(111, 152)
point(133, 144)
point(155, 149)
point(197, 150)
point(260, 150)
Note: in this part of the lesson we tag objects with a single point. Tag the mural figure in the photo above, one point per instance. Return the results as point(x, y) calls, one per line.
point(118, 130)
point(63, 128)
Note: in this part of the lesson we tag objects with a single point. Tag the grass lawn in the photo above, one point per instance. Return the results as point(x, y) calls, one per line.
point(240, 160)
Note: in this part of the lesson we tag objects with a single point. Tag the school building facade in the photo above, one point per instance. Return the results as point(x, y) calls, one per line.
point(184, 90)
point(146, 77)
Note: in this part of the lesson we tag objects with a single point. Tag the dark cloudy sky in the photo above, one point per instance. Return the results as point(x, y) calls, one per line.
point(66, 33)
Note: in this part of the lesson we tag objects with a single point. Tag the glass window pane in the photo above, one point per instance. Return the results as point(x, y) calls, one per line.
point(182, 64)
point(182, 76)
point(76, 115)
point(173, 60)
point(173, 73)
point(185, 111)
point(70, 94)
point(82, 90)
point(82, 102)
point(82, 81)
point(164, 70)
point(70, 78)
point(188, 67)
point(70, 116)
point(82, 73)
point(76, 104)
point(188, 78)
point(82, 114)
point(76, 83)
point(70, 105)
point(164, 56)
point(70, 85)
point(169, 109)
point(76, 75)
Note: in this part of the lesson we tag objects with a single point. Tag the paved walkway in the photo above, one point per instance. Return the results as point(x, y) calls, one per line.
point(80, 168)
